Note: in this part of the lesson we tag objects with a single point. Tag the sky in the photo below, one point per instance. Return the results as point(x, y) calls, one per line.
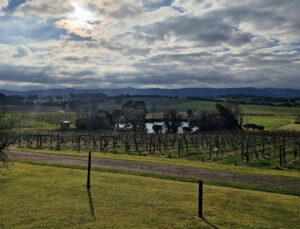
point(149, 44)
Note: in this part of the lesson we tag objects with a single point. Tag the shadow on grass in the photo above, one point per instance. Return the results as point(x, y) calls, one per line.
point(91, 204)
point(209, 223)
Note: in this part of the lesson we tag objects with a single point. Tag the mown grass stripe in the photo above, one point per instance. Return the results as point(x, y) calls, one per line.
point(167, 177)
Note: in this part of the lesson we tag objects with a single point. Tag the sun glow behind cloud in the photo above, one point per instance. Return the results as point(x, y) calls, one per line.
point(81, 14)
point(80, 21)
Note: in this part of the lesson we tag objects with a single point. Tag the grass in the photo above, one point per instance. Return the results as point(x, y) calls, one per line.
point(269, 122)
point(36, 124)
point(168, 177)
point(176, 161)
point(162, 103)
point(196, 105)
point(49, 197)
point(259, 109)
point(290, 126)
point(182, 104)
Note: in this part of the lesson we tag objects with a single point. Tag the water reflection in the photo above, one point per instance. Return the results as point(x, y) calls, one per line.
point(149, 126)
point(150, 130)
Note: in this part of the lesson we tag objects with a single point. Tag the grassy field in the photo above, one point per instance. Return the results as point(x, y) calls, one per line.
point(48, 197)
point(161, 103)
point(290, 126)
point(194, 105)
point(270, 122)
point(258, 109)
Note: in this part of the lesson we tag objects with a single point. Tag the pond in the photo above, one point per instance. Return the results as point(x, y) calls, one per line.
point(150, 130)
point(149, 126)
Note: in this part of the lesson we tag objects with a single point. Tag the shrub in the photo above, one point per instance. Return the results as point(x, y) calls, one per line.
point(157, 128)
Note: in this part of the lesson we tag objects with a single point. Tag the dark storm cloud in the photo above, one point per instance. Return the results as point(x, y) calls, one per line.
point(191, 58)
point(163, 75)
point(78, 59)
point(202, 30)
point(46, 75)
point(13, 73)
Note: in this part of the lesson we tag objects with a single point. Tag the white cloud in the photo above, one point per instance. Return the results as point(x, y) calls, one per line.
point(3, 4)
point(216, 43)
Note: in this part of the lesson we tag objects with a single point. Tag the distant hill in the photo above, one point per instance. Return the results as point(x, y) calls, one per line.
point(202, 92)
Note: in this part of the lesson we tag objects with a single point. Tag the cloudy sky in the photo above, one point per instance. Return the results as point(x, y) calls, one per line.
point(149, 43)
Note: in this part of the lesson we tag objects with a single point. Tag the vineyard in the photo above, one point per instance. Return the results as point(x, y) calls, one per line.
point(228, 147)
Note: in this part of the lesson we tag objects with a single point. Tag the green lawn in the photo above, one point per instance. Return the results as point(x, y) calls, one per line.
point(49, 197)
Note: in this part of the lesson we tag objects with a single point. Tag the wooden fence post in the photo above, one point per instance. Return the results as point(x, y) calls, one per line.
point(200, 203)
point(88, 186)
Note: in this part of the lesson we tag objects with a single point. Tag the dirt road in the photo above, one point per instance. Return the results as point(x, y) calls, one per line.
point(205, 174)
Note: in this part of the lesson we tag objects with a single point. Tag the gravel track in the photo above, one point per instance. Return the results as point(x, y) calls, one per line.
point(198, 173)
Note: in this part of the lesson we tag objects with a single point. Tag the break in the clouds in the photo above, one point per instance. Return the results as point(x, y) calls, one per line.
point(149, 43)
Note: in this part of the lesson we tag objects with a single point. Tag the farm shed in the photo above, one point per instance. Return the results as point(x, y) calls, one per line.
point(65, 125)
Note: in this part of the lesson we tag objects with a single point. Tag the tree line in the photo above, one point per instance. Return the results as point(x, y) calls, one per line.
point(132, 117)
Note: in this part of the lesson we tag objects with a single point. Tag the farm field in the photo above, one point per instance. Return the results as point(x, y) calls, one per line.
point(33, 199)
point(194, 105)
point(161, 103)
point(263, 110)
point(272, 121)
point(290, 126)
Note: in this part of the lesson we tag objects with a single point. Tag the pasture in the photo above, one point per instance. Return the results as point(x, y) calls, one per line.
point(35, 196)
